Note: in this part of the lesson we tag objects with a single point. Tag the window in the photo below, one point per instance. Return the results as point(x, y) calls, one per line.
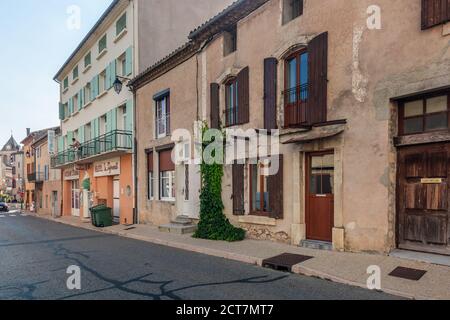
point(162, 116)
point(426, 114)
point(230, 41)
point(166, 176)
point(66, 108)
point(102, 44)
point(66, 83)
point(75, 73)
point(151, 177)
point(434, 12)
point(292, 9)
point(259, 194)
point(232, 102)
point(103, 125)
point(102, 82)
point(87, 132)
point(87, 60)
point(75, 101)
point(122, 65)
point(121, 24)
point(87, 93)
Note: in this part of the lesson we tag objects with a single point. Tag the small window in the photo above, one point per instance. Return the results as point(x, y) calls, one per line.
point(166, 176)
point(426, 114)
point(75, 73)
point(66, 83)
point(232, 103)
point(87, 60)
point(75, 101)
point(162, 116)
point(102, 44)
point(102, 82)
point(230, 41)
point(87, 93)
point(122, 65)
point(121, 24)
point(292, 9)
point(259, 192)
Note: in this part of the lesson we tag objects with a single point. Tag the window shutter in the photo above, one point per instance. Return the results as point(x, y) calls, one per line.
point(113, 73)
point(275, 188)
point(215, 106)
point(69, 137)
point(60, 144)
point(318, 79)
point(270, 93)
point(61, 111)
point(130, 114)
point(108, 122)
point(81, 134)
point(129, 61)
point(114, 119)
point(238, 190)
point(108, 77)
point(243, 97)
point(435, 12)
point(165, 161)
point(70, 106)
point(150, 161)
point(80, 100)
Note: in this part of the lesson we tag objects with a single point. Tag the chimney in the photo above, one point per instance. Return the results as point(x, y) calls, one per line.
point(28, 131)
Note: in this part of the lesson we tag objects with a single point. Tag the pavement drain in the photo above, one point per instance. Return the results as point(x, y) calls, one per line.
point(408, 273)
point(285, 261)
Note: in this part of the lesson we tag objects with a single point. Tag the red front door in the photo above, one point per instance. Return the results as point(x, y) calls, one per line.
point(320, 196)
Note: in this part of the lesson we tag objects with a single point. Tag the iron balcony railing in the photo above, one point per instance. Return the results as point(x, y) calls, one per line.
point(36, 177)
point(117, 140)
point(296, 105)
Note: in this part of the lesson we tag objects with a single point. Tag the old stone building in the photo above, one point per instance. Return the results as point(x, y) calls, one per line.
point(361, 113)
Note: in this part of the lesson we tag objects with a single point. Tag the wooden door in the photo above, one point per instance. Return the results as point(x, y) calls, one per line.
point(320, 196)
point(423, 198)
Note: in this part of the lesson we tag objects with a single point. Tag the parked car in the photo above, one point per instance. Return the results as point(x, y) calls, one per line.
point(4, 207)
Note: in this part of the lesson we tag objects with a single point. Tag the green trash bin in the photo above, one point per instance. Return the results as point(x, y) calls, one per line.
point(101, 216)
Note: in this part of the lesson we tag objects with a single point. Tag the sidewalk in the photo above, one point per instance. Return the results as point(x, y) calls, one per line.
point(345, 268)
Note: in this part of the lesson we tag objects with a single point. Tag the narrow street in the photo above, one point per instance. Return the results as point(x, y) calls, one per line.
point(35, 255)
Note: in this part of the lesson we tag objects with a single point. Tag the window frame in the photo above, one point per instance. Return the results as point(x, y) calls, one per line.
point(230, 39)
point(123, 16)
point(66, 83)
point(75, 73)
point(232, 82)
point(172, 188)
point(265, 211)
point(87, 57)
point(100, 49)
point(424, 115)
point(289, 16)
point(158, 118)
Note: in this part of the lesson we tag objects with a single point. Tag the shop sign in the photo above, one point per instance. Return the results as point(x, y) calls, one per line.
point(107, 168)
point(71, 174)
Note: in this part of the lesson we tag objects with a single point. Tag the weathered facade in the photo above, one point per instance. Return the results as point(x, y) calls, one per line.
point(352, 97)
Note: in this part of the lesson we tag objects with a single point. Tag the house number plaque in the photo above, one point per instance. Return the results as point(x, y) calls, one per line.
point(431, 181)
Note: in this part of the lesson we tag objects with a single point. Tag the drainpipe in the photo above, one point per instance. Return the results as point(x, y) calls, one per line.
point(136, 219)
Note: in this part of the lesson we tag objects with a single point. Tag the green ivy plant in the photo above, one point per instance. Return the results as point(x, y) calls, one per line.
point(213, 223)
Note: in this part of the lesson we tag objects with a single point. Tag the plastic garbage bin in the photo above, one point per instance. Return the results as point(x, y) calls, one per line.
point(101, 216)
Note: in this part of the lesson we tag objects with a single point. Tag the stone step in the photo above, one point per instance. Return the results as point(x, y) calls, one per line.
point(317, 245)
point(178, 228)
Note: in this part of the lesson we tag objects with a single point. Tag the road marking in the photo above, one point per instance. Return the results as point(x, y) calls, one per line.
point(12, 215)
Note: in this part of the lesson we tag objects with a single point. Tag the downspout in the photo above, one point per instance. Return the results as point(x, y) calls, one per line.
point(136, 219)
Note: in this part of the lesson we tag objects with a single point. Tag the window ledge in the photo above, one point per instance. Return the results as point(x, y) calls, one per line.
point(66, 119)
point(258, 220)
point(87, 104)
point(65, 90)
point(87, 68)
point(75, 81)
point(101, 95)
point(101, 54)
point(168, 201)
point(75, 113)
point(121, 35)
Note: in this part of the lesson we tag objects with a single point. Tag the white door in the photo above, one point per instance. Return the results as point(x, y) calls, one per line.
point(75, 198)
point(116, 197)
point(190, 195)
point(86, 204)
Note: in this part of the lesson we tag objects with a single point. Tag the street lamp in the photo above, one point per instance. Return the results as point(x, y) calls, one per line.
point(118, 84)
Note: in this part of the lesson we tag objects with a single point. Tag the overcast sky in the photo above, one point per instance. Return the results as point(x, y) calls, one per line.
point(35, 42)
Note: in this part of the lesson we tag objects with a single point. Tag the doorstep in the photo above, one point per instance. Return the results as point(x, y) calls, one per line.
point(341, 267)
point(422, 257)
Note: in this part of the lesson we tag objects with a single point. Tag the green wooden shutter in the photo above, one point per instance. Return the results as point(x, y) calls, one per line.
point(81, 134)
point(129, 61)
point(113, 72)
point(60, 144)
point(61, 111)
point(70, 106)
point(80, 100)
point(129, 123)
point(108, 122)
point(114, 119)
point(108, 77)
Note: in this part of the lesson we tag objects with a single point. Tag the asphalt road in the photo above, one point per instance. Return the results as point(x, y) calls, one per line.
point(35, 255)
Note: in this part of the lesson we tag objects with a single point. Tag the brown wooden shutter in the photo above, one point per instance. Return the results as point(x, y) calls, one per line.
point(150, 161)
point(275, 188)
point(243, 96)
point(435, 12)
point(215, 106)
point(318, 79)
point(238, 190)
point(165, 161)
point(270, 93)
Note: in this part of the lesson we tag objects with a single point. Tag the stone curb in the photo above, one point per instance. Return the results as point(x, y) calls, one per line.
point(297, 269)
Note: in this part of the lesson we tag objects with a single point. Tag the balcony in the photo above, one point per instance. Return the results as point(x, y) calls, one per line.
point(117, 141)
point(36, 177)
point(295, 106)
